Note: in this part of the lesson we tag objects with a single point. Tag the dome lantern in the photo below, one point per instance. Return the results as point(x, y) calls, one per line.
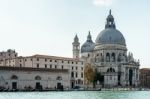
point(89, 38)
point(110, 21)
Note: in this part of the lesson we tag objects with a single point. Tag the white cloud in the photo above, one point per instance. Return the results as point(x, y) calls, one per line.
point(102, 2)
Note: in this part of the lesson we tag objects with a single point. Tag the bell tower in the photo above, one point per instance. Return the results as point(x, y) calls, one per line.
point(76, 47)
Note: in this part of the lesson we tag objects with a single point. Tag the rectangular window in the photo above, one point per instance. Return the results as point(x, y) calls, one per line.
point(72, 74)
point(55, 66)
point(50, 66)
point(82, 63)
point(62, 61)
point(81, 75)
point(76, 68)
point(76, 74)
point(37, 59)
point(55, 60)
point(37, 65)
point(68, 62)
point(45, 60)
point(72, 62)
point(72, 68)
point(45, 65)
point(31, 59)
point(20, 65)
point(25, 59)
point(81, 68)
point(50, 60)
point(62, 67)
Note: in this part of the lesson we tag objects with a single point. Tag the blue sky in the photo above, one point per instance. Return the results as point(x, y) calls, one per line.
point(49, 26)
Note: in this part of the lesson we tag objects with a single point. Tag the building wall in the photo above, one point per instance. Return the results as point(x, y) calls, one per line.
point(145, 77)
point(8, 54)
point(121, 64)
point(27, 78)
point(37, 61)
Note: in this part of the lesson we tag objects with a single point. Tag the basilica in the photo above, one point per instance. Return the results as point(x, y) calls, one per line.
point(108, 55)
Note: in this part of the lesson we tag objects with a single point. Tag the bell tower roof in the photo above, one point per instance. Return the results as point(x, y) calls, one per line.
point(76, 39)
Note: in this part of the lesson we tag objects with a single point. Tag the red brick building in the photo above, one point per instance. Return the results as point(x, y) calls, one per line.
point(145, 77)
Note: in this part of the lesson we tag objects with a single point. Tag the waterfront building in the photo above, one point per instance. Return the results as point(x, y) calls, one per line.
point(145, 77)
point(45, 65)
point(27, 78)
point(108, 56)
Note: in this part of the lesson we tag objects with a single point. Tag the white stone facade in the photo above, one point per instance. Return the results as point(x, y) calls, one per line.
point(108, 55)
point(22, 78)
point(73, 65)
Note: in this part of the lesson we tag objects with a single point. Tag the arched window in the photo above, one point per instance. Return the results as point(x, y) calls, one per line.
point(113, 58)
point(59, 78)
point(97, 55)
point(37, 78)
point(108, 70)
point(14, 77)
point(72, 74)
point(107, 57)
point(130, 76)
point(119, 57)
point(111, 70)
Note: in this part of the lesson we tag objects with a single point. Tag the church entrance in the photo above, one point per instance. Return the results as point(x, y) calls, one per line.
point(60, 86)
point(14, 85)
point(130, 77)
point(38, 86)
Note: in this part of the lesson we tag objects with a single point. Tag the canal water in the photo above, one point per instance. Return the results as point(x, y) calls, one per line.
point(77, 95)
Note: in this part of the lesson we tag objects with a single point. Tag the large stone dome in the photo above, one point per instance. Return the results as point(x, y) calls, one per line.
point(110, 36)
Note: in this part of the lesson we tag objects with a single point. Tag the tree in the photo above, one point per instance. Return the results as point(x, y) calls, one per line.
point(88, 74)
point(97, 77)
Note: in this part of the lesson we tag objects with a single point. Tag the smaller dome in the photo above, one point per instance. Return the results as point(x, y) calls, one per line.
point(88, 46)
